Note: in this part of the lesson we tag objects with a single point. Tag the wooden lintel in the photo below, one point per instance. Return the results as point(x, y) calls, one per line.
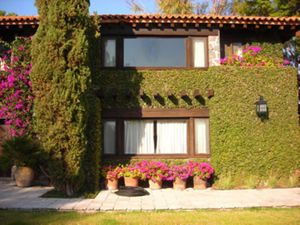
point(183, 94)
point(170, 94)
point(196, 93)
point(156, 94)
point(210, 93)
point(142, 94)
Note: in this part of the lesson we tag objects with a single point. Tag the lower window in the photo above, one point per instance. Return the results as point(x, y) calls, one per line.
point(156, 136)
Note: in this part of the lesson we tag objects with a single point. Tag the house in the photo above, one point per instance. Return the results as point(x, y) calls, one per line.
point(162, 100)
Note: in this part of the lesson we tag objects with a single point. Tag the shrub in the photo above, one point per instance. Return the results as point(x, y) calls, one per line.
point(225, 182)
point(65, 106)
point(132, 171)
point(16, 98)
point(251, 181)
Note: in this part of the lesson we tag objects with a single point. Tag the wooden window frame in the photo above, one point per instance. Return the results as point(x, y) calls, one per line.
point(189, 50)
point(189, 115)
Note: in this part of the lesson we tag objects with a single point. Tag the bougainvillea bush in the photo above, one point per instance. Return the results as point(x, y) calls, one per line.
point(16, 98)
point(180, 171)
point(252, 57)
point(111, 172)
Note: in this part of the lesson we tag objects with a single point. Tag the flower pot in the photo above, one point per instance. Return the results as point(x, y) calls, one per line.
point(179, 184)
point(155, 185)
point(131, 182)
point(112, 184)
point(24, 176)
point(199, 183)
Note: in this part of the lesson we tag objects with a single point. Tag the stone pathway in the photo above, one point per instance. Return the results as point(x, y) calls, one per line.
point(12, 197)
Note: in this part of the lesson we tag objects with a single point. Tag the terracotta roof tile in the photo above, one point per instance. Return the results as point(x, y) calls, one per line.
point(158, 18)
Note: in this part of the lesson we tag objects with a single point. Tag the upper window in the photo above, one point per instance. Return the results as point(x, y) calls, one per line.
point(109, 52)
point(154, 52)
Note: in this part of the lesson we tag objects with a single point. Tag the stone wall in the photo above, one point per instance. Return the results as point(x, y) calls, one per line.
point(214, 50)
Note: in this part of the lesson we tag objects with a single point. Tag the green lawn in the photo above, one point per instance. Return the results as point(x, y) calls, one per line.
point(285, 216)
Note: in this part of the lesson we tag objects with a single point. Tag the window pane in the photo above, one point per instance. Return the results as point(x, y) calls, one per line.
point(139, 137)
point(199, 52)
point(109, 137)
point(171, 137)
point(154, 52)
point(237, 49)
point(201, 136)
point(109, 52)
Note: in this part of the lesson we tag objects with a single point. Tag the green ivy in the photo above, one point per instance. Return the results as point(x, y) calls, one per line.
point(240, 142)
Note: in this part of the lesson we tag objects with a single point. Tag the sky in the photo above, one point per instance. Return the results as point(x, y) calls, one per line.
point(26, 7)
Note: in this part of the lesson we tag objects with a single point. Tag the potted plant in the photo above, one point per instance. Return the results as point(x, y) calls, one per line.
point(201, 173)
point(131, 174)
point(112, 175)
point(25, 153)
point(156, 172)
point(179, 175)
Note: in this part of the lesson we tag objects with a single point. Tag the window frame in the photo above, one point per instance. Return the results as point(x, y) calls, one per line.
point(188, 47)
point(189, 115)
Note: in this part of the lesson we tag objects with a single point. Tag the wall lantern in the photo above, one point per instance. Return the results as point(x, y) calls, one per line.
point(262, 108)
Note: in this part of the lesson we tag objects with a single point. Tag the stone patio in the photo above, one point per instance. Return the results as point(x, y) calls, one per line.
point(12, 197)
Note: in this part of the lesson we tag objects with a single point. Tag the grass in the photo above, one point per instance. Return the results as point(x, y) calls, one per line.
point(255, 216)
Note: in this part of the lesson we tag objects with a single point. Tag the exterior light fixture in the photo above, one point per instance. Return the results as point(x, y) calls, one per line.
point(262, 108)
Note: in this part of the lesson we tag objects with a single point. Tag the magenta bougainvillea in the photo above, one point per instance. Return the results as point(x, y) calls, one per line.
point(16, 99)
point(251, 57)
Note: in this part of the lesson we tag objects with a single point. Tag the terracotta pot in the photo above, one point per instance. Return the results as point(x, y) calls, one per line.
point(112, 184)
point(24, 176)
point(199, 183)
point(155, 185)
point(131, 182)
point(179, 184)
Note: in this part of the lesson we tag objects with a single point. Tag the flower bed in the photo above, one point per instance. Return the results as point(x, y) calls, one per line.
point(156, 173)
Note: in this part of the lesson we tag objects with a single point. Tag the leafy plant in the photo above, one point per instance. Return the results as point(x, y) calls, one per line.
point(23, 151)
point(272, 181)
point(111, 172)
point(293, 180)
point(132, 171)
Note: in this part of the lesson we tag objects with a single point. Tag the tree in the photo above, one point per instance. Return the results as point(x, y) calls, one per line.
point(266, 7)
point(218, 7)
point(4, 13)
point(61, 81)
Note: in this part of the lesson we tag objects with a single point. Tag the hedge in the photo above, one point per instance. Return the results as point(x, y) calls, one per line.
point(240, 141)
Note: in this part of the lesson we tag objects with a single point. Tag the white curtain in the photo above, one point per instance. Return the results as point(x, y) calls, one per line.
point(171, 137)
point(199, 52)
point(201, 135)
point(109, 137)
point(139, 137)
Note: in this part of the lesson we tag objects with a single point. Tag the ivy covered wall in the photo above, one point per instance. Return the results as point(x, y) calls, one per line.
point(240, 141)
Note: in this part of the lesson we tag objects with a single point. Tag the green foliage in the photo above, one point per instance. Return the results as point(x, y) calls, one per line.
point(252, 181)
point(65, 107)
point(240, 142)
point(22, 151)
point(266, 7)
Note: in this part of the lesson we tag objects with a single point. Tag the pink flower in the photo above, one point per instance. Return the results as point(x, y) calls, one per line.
point(21, 48)
point(19, 105)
